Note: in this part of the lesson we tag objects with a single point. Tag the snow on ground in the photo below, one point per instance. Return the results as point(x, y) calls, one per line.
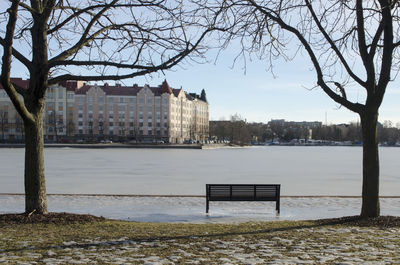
point(192, 209)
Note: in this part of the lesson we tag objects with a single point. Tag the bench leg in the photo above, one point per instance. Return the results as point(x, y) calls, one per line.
point(207, 205)
point(278, 206)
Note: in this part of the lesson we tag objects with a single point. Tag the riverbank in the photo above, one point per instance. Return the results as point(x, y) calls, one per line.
point(176, 209)
point(117, 242)
point(122, 145)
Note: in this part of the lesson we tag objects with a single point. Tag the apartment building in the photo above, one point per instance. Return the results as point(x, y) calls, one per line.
point(11, 124)
point(76, 110)
point(143, 114)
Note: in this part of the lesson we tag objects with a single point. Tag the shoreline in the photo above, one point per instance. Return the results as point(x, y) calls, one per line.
point(195, 196)
point(120, 145)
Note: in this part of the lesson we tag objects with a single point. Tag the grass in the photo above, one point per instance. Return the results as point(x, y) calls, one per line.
point(135, 242)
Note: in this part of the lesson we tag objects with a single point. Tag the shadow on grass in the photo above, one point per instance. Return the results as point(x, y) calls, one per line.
point(383, 221)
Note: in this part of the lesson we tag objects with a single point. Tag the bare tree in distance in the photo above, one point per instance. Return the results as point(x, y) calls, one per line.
point(351, 44)
point(3, 123)
point(91, 40)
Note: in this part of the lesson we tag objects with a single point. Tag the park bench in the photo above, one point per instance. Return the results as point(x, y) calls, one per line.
point(243, 192)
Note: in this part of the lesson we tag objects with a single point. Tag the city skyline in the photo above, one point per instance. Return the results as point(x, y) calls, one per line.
point(259, 97)
point(256, 94)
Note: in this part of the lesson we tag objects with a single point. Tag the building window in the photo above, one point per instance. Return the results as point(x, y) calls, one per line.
point(90, 107)
point(149, 101)
point(131, 107)
point(141, 124)
point(111, 123)
point(149, 124)
point(80, 107)
point(150, 132)
point(70, 95)
point(110, 100)
point(121, 108)
point(70, 104)
point(131, 124)
point(121, 100)
point(101, 108)
point(141, 100)
point(101, 99)
point(149, 108)
point(110, 107)
point(131, 100)
point(80, 115)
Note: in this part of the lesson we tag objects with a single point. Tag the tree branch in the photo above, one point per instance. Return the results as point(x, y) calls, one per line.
point(84, 40)
point(333, 46)
point(17, 54)
point(375, 41)
point(356, 107)
point(6, 64)
point(143, 71)
point(384, 75)
point(362, 46)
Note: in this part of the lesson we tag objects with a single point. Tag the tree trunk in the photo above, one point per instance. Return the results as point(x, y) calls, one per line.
point(370, 187)
point(35, 184)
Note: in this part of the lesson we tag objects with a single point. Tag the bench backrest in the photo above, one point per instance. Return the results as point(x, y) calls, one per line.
point(243, 192)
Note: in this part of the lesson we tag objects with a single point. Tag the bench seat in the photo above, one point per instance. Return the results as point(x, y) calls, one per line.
point(243, 192)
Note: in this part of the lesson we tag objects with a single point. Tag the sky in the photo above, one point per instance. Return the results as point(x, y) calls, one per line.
point(259, 96)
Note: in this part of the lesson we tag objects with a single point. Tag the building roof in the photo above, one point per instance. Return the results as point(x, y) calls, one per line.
point(81, 88)
point(165, 88)
point(19, 82)
point(72, 85)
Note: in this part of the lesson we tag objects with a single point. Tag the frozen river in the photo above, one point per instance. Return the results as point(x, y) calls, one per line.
point(300, 170)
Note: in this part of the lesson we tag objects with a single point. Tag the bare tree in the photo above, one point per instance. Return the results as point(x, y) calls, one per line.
point(70, 127)
point(3, 123)
point(56, 123)
point(19, 126)
point(350, 44)
point(58, 40)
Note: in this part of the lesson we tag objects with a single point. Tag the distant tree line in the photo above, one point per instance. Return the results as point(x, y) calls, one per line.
point(237, 130)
